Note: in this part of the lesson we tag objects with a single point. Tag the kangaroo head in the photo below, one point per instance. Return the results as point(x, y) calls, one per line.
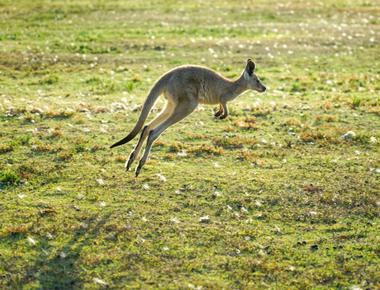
point(253, 82)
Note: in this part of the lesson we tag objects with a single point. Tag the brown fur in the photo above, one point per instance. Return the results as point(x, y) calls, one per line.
point(184, 88)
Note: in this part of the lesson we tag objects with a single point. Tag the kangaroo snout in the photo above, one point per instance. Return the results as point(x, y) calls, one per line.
point(261, 88)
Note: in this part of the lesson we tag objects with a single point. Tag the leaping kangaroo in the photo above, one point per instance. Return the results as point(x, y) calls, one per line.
point(184, 88)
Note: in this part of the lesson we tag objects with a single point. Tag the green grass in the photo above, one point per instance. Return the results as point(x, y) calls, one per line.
point(290, 202)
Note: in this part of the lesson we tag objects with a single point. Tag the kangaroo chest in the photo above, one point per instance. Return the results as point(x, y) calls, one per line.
point(207, 95)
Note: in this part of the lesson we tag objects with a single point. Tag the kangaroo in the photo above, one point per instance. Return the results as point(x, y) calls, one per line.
point(185, 87)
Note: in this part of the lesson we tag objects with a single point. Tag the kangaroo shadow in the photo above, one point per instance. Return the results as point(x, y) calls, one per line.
point(62, 271)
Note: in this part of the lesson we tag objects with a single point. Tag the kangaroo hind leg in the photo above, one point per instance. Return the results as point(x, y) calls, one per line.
point(165, 113)
point(181, 110)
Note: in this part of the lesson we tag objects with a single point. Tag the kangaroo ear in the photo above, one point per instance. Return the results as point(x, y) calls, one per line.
point(250, 68)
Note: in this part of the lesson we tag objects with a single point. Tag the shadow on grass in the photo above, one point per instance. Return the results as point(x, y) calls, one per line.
point(62, 271)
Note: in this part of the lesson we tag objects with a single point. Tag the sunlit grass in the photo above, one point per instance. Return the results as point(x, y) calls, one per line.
point(284, 193)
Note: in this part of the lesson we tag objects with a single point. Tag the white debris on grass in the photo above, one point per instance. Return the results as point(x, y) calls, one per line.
point(100, 281)
point(31, 241)
point(140, 240)
point(84, 225)
point(191, 286)
point(178, 191)
point(277, 229)
point(217, 193)
point(199, 124)
point(182, 153)
point(161, 177)
point(146, 186)
point(349, 135)
point(100, 181)
point(355, 287)
point(204, 219)
point(373, 140)
point(175, 220)
point(243, 209)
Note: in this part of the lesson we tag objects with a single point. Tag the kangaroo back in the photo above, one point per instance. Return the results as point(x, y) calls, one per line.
point(153, 95)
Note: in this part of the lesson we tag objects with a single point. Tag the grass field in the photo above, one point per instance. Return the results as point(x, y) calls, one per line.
point(279, 195)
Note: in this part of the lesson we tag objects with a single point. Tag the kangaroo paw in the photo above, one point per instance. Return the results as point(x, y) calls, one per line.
point(223, 116)
point(130, 161)
point(138, 169)
point(218, 113)
point(128, 164)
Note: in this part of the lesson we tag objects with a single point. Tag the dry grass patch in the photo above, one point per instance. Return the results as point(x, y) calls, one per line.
point(85, 108)
point(311, 188)
point(205, 149)
point(175, 147)
point(65, 155)
point(247, 123)
point(45, 148)
point(97, 147)
point(55, 133)
point(325, 118)
point(120, 158)
point(311, 135)
point(57, 114)
point(15, 230)
point(12, 112)
point(246, 155)
point(235, 142)
point(374, 110)
point(326, 106)
point(26, 171)
point(5, 148)
point(292, 122)
point(194, 136)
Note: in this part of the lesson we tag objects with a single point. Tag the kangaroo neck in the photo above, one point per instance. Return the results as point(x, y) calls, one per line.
point(236, 88)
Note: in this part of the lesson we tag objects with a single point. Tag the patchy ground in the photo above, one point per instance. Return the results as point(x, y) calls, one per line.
point(279, 195)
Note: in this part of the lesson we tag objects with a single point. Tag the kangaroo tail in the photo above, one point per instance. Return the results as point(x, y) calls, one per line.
point(148, 104)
